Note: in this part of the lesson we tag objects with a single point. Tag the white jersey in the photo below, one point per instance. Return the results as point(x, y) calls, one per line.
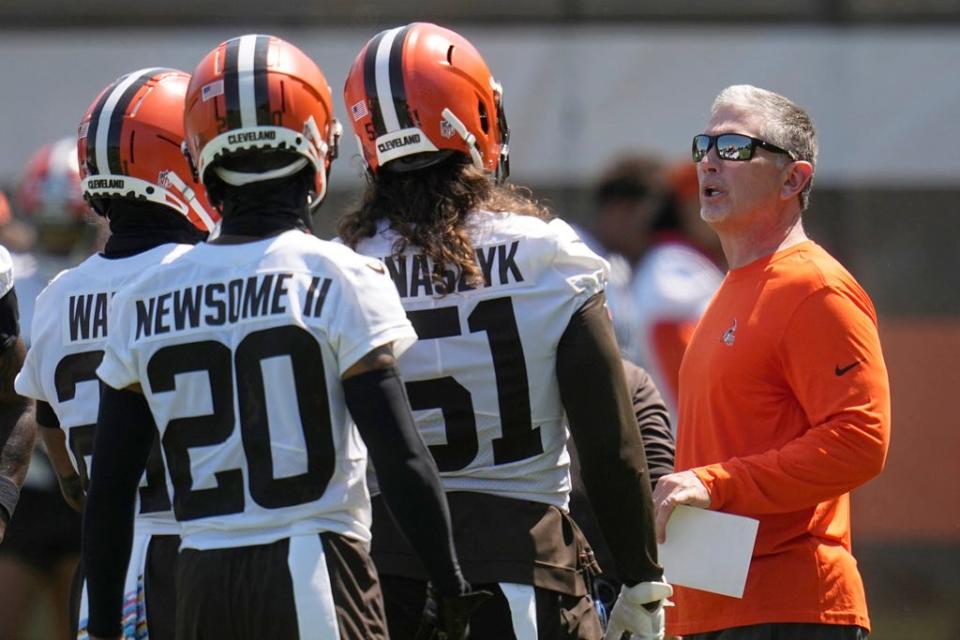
point(239, 350)
point(482, 378)
point(623, 309)
point(6, 271)
point(34, 272)
point(70, 329)
point(672, 285)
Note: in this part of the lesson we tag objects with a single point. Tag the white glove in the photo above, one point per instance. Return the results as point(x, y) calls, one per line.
point(629, 614)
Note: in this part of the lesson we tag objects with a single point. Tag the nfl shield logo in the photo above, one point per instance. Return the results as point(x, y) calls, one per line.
point(446, 129)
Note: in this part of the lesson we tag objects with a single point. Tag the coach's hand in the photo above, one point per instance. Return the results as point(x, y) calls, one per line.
point(673, 489)
point(639, 611)
point(448, 617)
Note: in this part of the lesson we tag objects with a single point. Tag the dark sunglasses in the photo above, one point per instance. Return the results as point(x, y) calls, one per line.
point(732, 146)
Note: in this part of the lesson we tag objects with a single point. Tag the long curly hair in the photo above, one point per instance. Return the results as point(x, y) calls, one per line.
point(428, 208)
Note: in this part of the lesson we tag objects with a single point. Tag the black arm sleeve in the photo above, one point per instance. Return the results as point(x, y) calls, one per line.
point(46, 417)
point(9, 319)
point(408, 476)
point(653, 418)
point(124, 435)
point(614, 469)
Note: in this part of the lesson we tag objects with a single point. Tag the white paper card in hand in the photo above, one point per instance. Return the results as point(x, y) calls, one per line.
point(708, 550)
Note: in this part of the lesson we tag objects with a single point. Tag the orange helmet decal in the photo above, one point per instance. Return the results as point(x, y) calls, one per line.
point(260, 92)
point(129, 145)
point(421, 88)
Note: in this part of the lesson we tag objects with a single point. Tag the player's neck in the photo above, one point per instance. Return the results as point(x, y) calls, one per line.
point(752, 244)
point(261, 210)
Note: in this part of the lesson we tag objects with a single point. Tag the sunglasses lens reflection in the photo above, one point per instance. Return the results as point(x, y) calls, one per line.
point(734, 147)
point(701, 145)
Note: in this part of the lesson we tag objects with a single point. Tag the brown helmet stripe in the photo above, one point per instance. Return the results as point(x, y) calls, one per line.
point(396, 79)
point(231, 83)
point(261, 88)
point(370, 83)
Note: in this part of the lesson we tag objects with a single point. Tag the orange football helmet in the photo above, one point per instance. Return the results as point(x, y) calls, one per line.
point(129, 145)
point(260, 92)
point(49, 192)
point(422, 88)
point(5, 213)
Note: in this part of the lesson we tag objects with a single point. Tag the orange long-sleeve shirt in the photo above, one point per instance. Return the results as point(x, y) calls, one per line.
point(784, 408)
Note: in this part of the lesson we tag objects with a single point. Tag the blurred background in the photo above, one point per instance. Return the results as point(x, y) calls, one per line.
point(588, 83)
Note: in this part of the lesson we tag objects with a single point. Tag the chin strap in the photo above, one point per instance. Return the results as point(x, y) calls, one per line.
point(450, 118)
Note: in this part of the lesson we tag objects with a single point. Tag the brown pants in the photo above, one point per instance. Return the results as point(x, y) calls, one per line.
point(558, 616)
point(252, 593)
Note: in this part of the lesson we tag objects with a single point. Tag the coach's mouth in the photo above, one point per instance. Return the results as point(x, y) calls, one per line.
point(710, 192)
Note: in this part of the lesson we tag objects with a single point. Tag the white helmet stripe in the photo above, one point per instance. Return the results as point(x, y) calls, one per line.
point(245, 67)
point(106, 114)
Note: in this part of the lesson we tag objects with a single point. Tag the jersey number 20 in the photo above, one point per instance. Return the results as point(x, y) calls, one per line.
point(182, 434)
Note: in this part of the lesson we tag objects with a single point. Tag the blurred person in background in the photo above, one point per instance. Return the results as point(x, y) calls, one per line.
point(674, 281)
point(643, 217)
point(784, 398)
point(626, 198)
point(39, 556)
point(136, 177)
point(509, 307)
point(16, 236)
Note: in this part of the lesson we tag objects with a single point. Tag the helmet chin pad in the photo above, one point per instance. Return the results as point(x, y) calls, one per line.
point(418, 161)
point(257, 160)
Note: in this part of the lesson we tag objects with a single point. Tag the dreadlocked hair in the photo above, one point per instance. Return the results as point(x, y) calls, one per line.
point(428, 209)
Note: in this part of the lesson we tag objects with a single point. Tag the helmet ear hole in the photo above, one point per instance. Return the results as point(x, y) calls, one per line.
point(450, 54)
point(484, 117)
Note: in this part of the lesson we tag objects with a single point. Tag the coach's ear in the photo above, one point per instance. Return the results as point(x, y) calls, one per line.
point(798, 175)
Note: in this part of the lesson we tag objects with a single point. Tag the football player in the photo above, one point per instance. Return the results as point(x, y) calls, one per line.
point(135, 176)
point(17, 427)
point(509, 308)
point(39, 557)
point(247, 352)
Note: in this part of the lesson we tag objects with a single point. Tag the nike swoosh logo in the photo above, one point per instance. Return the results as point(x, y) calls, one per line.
point(378, 268)
point(840, 371)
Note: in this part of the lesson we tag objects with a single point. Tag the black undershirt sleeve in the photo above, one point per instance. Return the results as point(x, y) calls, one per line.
point(653, 418)
point(594, 393)
point(124, 436)
point(46, 417)
point(406, 472)
point(9, 319)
